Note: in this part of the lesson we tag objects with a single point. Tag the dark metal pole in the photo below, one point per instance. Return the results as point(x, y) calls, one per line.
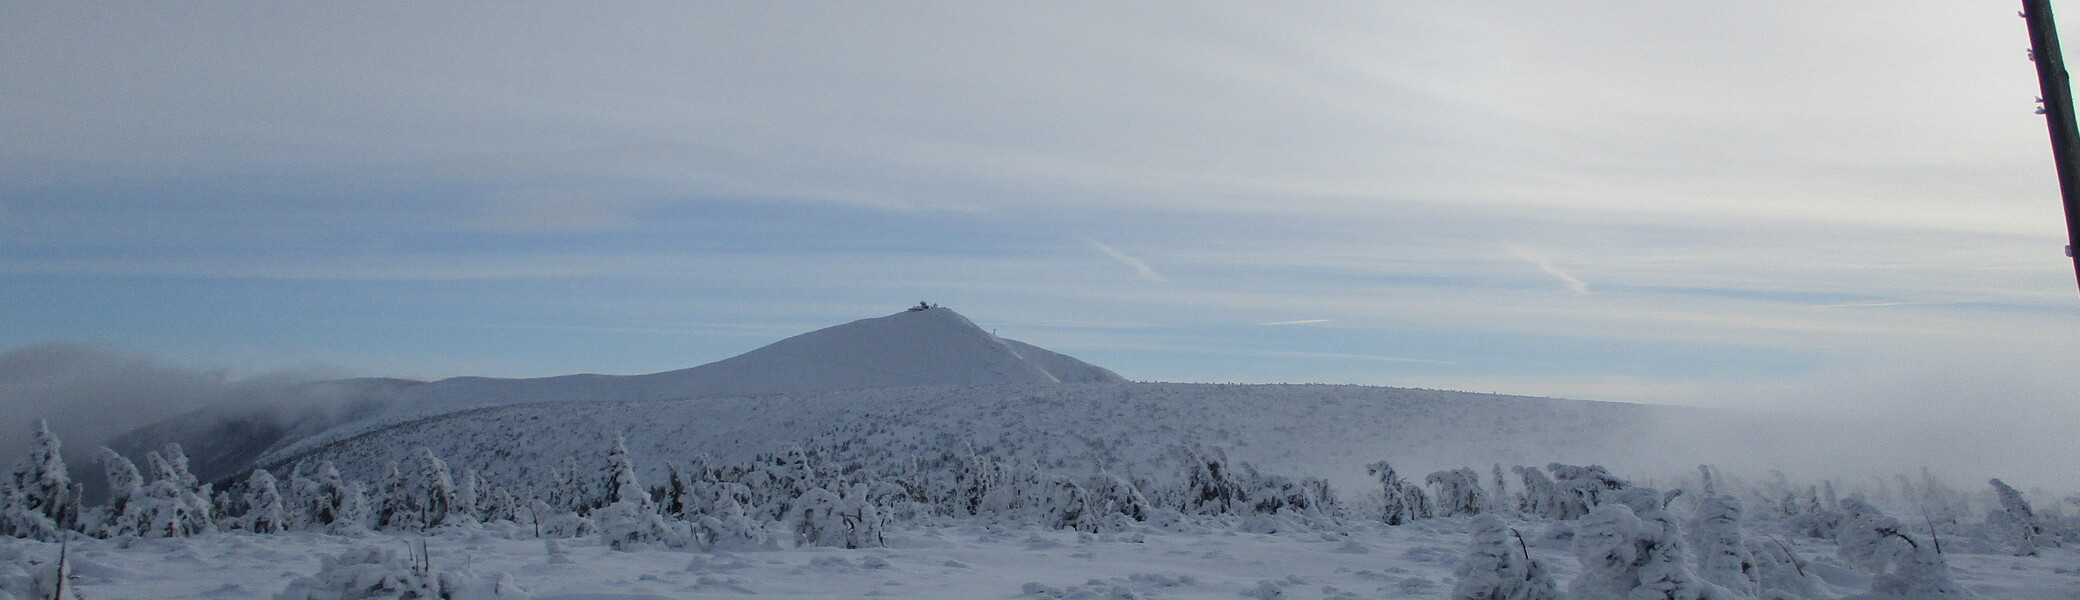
point(2058, 114)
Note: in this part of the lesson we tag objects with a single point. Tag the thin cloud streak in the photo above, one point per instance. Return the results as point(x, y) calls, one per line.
point(1346, 356)
point(1544, 264)
point(1141, 269)
point(1299, 322)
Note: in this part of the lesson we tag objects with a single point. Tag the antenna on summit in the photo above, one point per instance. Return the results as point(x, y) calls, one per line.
point(2057, 109)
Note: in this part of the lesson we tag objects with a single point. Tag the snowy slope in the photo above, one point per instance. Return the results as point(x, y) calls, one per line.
point(910, 348)
point(1296, 430)
point(906, 349)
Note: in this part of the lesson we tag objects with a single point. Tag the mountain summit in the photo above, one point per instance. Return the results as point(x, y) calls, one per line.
point(932, 346)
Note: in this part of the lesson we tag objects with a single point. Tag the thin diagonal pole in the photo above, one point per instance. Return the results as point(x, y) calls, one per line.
point(2057, 91)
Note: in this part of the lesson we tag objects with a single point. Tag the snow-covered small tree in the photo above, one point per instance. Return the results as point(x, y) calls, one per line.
point(323, 497)
point(500, 504)
point(1210, 485)
point(173, 504)
point(1404, 501)
point(1576, 489)
point(44, 500)
point(1899, 566)
point(431, 490)
point(1499, 498)
point(1458, 492)
point(1061, 504)
point(392, 501)
point(865, 523)
point(469, 497)
point(1539, 497)
point(1715, 539)
point(1498, 566)
point(726, 527)
point(818, 519)
point(1778, 572)
point(265, 510)
point(125, 486)
point(1623, 555)
point(2015, 519)
point(370, 573)
point(630, 525)
point(824, 518)
point(631, 521)
point(356, 510)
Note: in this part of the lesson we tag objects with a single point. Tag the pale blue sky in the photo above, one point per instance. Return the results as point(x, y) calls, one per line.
point(1673, 202)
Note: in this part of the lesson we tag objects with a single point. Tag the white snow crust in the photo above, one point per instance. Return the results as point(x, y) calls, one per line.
point(951, 561)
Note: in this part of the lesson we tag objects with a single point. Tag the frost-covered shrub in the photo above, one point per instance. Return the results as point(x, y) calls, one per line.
point(370, 573)
point(1061, 504)
point(430, 489)
point(362, 573)
point(42, 500)
point(1404, 501)
point(468, 499)
point(419, 495)
point(726, 527)
point(1715, 539)
point(265, 512)
point(632, 520)
point(1211, 486)
point(1899, 566)
point(1458, 492)
point(1576, 489)
point(119, 516)
point(174, 504)
point(1498, 566)
point(329, 502)
point(817, 520)
point(629, 525)
point(1116, 501)
point(1626, 555)
point(823, 518)
point(1778, 572)
point(2015, 520)
point(393, 503)
point(1540, 497)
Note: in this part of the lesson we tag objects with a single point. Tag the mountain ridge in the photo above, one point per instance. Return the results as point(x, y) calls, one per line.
point(920, 347)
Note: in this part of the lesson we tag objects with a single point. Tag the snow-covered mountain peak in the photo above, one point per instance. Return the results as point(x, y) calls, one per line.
point(933, 346)
point(927, 346)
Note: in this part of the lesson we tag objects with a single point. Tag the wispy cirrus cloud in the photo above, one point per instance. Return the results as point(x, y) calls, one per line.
point(1141, 269)
point(1299, 322)
point(1543, 263)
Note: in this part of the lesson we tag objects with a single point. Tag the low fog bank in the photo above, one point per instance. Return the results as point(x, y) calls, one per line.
point(1964, 415)
point(90, 394)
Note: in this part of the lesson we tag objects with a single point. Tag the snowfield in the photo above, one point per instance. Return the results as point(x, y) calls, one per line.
point(1323, 431)
point(954, 561)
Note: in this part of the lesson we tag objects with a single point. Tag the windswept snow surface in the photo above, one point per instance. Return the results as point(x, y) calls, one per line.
point(961, 560)
point(911, 348)
point(1327, 431)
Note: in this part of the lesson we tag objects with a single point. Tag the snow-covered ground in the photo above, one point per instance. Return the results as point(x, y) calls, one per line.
point(1329, 431)
point(957, 560)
